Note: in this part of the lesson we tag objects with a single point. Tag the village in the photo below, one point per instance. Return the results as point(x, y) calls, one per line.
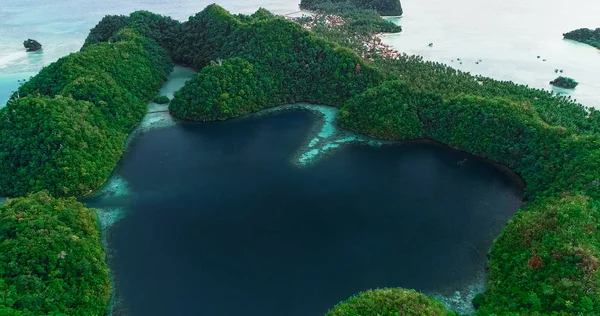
point(372, 44)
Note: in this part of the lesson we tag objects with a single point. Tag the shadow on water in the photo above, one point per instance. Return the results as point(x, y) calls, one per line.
point(221, 222)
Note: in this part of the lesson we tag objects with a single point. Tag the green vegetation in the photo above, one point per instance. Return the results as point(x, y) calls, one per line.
point(51, 259)
point(260, 15)
point(587, 36)
point(550, 140)
point(202, 36)
point(344, 20)
point(32, 45)
point(390, 302)
point(163, 99)
point(344, 24)
point(564, 82)
point(164, 30)
point(64, 130)
point(383, 7)
point(388, 111)
point(233, 88)
point(437, 78)
point(555, 241)
point(282, 63)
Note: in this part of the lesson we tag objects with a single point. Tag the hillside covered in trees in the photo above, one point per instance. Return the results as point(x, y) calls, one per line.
point(587, 36)
point(64, 130)
point(52, 261)
point(81, 108)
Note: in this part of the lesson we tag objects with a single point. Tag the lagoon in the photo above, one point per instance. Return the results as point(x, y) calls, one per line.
point(217, 212)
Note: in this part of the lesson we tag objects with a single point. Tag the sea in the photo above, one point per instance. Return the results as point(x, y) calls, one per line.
point(501, 39)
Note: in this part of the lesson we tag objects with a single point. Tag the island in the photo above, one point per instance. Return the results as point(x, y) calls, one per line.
point(52, 259)
point(383, 7)
point(64, 132)
point(163, 99)
point(584, 35)
point(32, 45)
point(564, 82)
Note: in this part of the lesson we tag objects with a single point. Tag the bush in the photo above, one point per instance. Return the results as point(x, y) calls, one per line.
point(564, 82)
point(163, 99)
point(390, 302)
point(52, 261)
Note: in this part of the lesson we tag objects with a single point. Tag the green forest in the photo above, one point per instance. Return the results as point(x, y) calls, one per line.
point(64, 131)
point(52, 261)
point(62, 134)
point(587, 36)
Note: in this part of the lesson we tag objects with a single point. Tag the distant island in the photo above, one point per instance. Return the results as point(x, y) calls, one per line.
point(584, 35)
point(383, 7)
point(64, 132)
point(32, 45)
point(564, 82)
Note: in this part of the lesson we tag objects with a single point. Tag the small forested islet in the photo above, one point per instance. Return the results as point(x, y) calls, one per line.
point(383, 7)
point(587, 36)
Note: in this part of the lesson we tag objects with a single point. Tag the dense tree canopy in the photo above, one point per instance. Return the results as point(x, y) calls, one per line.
point(564, 82)
point(56, 144)
point(390, 302)
point(234, 88)
point(389, 111)
point(64, 130)
point(546, 261)
point(587, 36)
point(51, 258)
point(284, 62)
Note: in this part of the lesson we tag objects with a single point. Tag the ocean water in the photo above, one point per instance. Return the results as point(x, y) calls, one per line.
point(219, 221)
point(507, 36)
point(61, 26)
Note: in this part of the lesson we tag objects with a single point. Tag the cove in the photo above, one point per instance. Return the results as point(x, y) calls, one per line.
point(220, 221)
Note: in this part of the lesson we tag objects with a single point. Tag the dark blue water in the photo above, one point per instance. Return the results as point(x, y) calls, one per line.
point(222, 223)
